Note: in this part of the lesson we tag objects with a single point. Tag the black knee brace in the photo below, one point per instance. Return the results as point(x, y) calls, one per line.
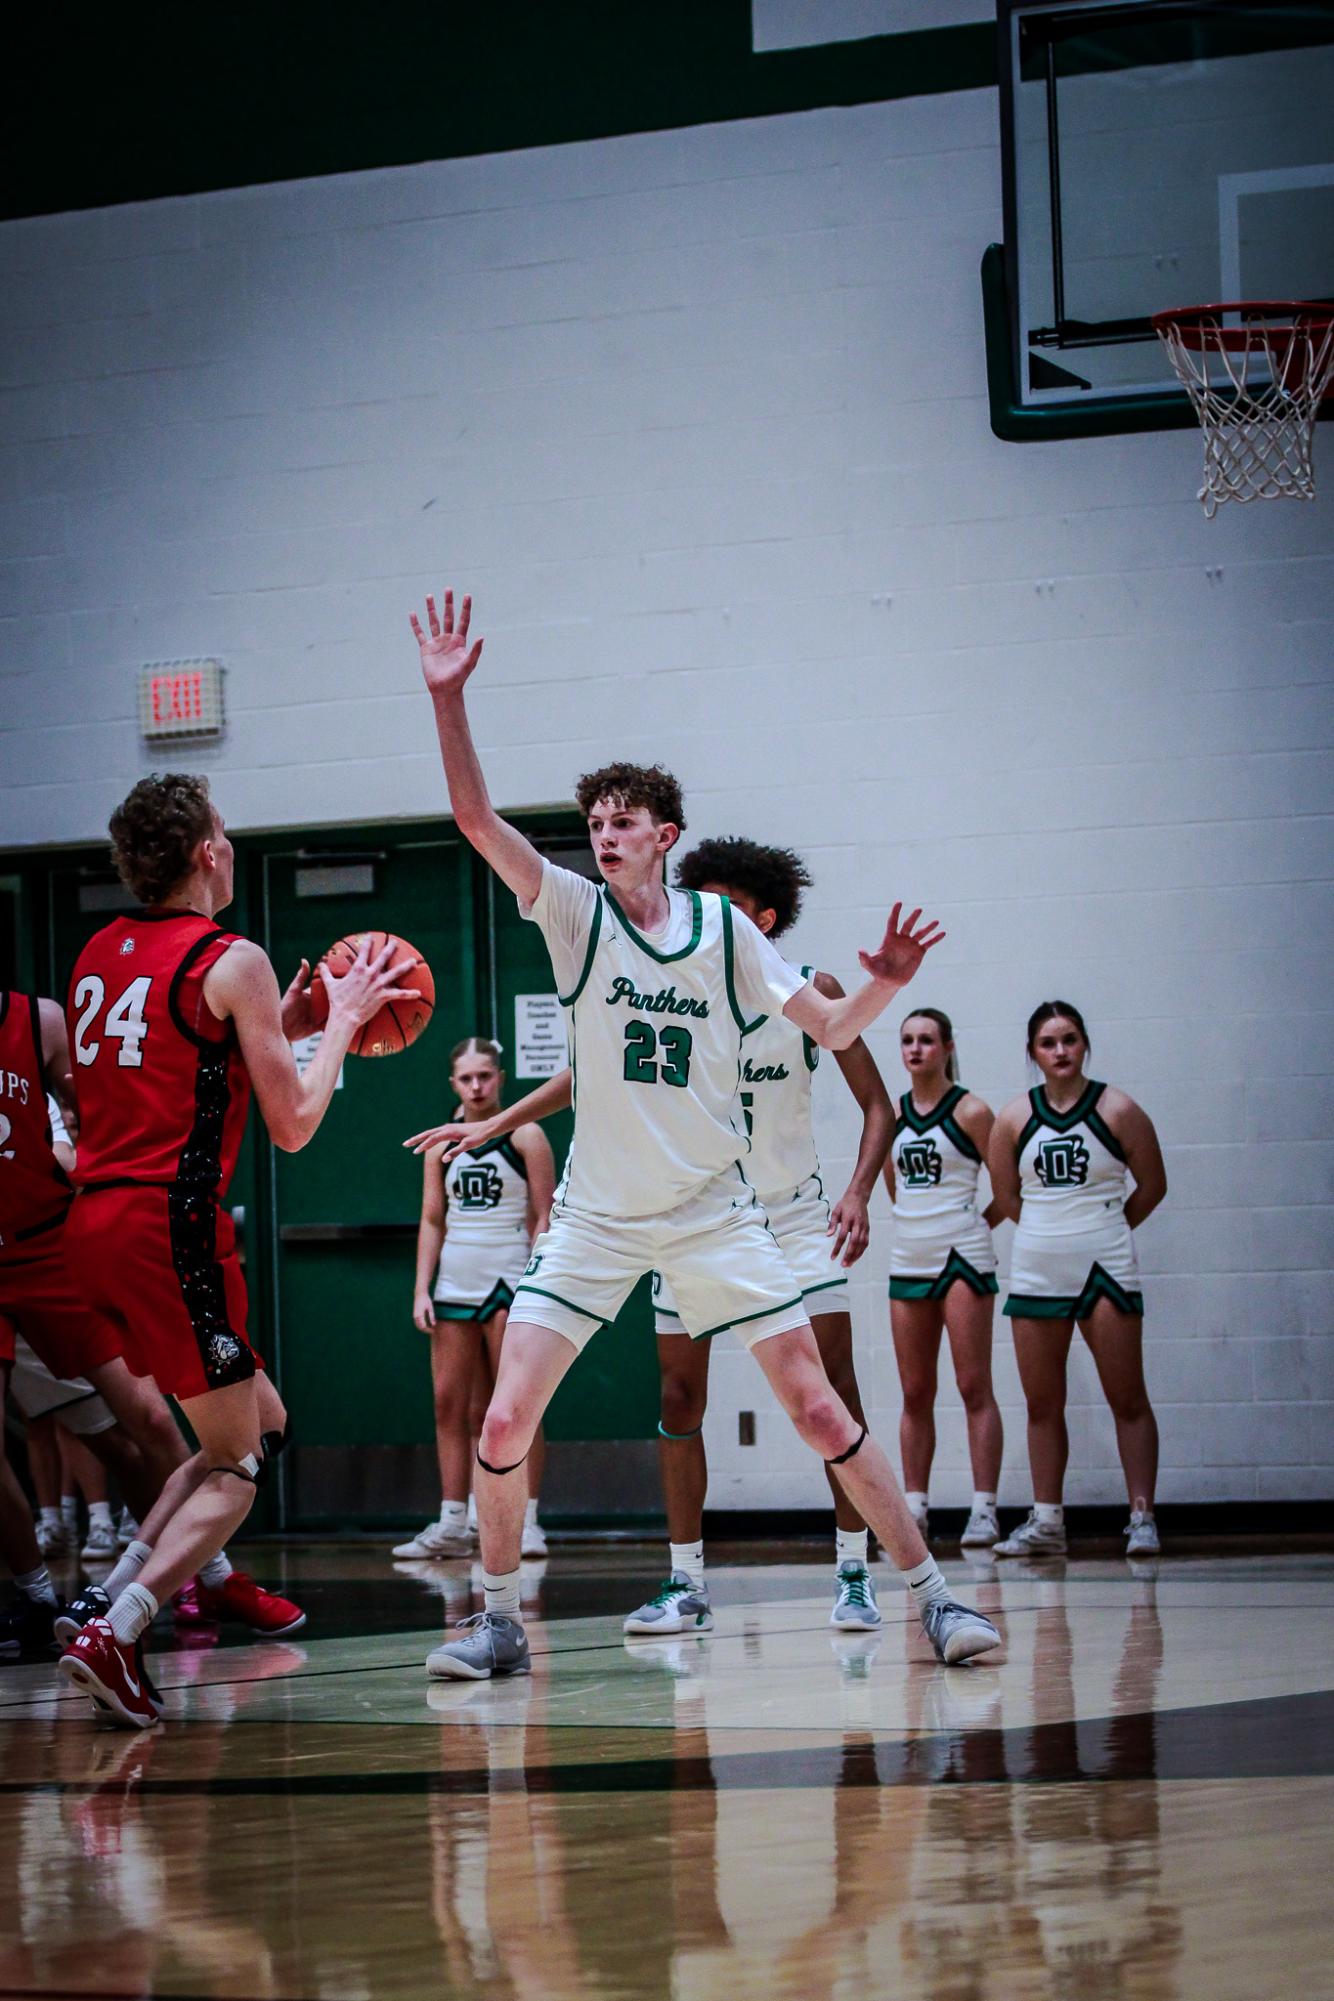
point(677, 1436)
point(852, 1450)
point(489, 1468)
point(271, 1443)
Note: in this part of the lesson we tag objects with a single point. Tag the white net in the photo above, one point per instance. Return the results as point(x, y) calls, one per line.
point(1256, 377)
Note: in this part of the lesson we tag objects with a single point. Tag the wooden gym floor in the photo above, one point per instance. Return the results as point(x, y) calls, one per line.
point(1135, 1800)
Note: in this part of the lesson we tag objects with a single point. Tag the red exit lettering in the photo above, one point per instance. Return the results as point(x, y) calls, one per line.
point(178, 698)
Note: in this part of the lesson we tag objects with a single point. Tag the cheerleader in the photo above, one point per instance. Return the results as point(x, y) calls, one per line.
point(1063, 1160)
point(942, 1266)
point(479, 1217)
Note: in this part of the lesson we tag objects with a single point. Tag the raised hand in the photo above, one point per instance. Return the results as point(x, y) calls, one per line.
point(357, 996)
point(902, 949)
point(447, 659)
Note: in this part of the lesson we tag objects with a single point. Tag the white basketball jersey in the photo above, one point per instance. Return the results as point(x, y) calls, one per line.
point(936, 1165)
point(655, 1045)
point(777, 1064)
point(486, 1195)
point(1072, 1171)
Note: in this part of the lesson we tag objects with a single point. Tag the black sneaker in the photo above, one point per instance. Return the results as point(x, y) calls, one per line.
point(91, 1603)
point(27, 1630)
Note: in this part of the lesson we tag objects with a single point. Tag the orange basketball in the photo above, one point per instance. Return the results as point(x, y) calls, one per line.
point(398, 1023)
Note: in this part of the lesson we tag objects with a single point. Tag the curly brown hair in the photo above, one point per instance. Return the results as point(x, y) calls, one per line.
point(155, 830)
point(775, 877)
point(633, 785)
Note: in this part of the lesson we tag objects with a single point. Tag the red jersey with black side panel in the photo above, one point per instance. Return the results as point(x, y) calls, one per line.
point(35, 1192)
point(163, 1094)
point(37, 1296)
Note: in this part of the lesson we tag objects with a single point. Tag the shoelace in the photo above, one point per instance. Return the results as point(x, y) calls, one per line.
point(479, 1620)
point(854, 1588)
point(669, 1589)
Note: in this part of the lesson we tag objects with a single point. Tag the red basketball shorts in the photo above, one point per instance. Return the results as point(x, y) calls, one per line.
point(40, 1299)
point(161, 1264)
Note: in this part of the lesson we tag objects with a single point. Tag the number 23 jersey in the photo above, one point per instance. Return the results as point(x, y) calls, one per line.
point(655, 1039)
point(161, 1085)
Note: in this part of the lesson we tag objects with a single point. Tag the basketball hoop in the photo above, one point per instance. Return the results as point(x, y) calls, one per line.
point(1255, 371)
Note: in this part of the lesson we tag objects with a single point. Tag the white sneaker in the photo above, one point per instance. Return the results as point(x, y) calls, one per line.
point(855, 1608)
point(982, 1531)
point(435, 1541)
point(127, 1529)
point(101, 1544)
point(533, 1542)
point(1033, 1538)
point(1142, 1534)
point(51, 1538)
point(921, 1516)
point(677, 1606)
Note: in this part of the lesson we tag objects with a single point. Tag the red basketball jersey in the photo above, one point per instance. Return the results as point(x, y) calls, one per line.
point(162, 1089)
point(35, 1193)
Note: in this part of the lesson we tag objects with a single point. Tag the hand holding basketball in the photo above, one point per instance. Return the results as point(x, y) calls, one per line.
point(902, 949)
point(302, 1013)
point(379, 983)
point(447, 660)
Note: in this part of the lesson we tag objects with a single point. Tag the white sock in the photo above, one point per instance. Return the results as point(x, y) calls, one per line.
point(99, 1511)
point(453, 1515)
point(925, 1584)
point(983, 1502)
point(69, 1510)
point(214, 1574)
point(1050, 1514)
point(51, 1519)
point(37, 1585)
point(472, 1511)
point(916, 1501)
point(689, 1557)
point(501, 1592)
point(132, 1560)
point(530, 1513)
point(849, 1546)
point(133, 1613)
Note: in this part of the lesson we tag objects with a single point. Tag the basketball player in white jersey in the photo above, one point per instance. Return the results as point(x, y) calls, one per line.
point(1061, 1159)
point(480, 1214)
point(660, 986)
point(942, 1266)
point(820, 1243)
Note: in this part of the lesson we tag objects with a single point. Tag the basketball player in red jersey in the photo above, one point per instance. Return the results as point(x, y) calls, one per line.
point(38, 1299)
point(172, 1021)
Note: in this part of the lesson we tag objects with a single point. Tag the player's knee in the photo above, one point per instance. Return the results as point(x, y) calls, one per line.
point(843, 1381)
point(822, 1420)
point(506, 1435)
point(974, 1390)
point(453, 1408)
point(683, 1404)
point(919, 1396)
point(1045, 1408)
point(1130, 1406)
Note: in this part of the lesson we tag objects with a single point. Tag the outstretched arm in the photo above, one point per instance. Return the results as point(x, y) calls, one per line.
point(447, 663)
point(836, 1024)
point(453, 1138)
point(849, 1223)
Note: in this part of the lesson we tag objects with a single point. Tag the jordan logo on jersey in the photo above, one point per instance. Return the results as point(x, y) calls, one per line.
point(1063, 1163)
point(919, 1163)
point(479, 1187)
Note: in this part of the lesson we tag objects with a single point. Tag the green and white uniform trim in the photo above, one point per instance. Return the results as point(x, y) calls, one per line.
point(774, 1105)
point(939, 1237)
point(486, 1232)
point(654, 1178)
point(1073, 1245)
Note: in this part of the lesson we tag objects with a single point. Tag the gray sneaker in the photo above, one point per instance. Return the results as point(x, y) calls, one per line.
point(957, 1633)
point(495, 1645)
point(1142, 1534)
point(1033, 1538)
point(677, 1606)
point(854, 1608)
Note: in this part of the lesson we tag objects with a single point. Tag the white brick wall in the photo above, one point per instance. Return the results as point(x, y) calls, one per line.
point(700, 419)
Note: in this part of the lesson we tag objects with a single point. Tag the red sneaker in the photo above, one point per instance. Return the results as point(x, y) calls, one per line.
point(242, 1599)
point(186, 1609)
point(108, 1670)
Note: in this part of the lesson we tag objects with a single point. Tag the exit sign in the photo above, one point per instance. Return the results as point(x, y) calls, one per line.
point(181, 698)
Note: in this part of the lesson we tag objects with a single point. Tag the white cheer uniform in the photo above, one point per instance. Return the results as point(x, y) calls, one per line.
point(486, 1232)
point(939, 1235)
point(774, 1105)
point(654, 1178)
point(1073, 1245)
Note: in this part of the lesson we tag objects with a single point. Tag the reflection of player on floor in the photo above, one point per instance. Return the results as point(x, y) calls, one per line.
point(820, 1244)
point(481, 1213)
point(172, 1022)
point(660, 986)
point(1061, 1161)
point(942, 1266)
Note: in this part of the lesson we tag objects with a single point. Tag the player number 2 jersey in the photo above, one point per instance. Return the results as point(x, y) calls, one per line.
point(162, 1089)
point(774, 1096)
point(34, 1192)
